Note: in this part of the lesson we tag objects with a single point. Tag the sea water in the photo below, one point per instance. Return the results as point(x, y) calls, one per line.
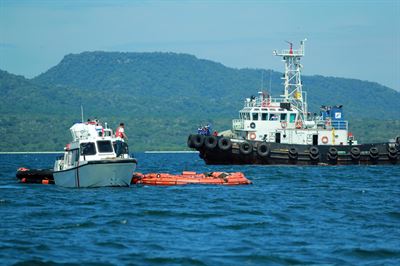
point(336, 215)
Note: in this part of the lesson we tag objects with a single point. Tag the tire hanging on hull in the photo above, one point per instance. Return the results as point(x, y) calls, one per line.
point(224, 144)
point(210, 142)
point(198, 141)
point(263, 150)
point(246, 148)
point(355, 153)
point(293, 154)
point(314, 153)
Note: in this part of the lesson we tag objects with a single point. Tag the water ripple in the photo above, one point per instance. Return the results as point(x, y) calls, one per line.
point(290, 215)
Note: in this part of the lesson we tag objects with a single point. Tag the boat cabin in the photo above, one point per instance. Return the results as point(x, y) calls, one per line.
point(91, 141)
point(275, 120)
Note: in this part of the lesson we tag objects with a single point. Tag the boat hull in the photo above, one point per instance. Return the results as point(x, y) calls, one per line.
point(100, 173)
point(294, 154)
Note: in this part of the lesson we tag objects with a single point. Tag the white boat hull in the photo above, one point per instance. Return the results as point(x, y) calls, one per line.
point(101, 173)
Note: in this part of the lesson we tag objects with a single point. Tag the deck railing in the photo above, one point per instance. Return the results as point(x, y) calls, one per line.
point(340, 124)
point(258, 102)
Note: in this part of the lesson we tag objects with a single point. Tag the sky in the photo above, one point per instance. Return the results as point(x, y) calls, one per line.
point(352, 39)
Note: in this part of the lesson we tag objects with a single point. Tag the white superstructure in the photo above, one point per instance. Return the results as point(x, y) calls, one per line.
point(286, 119)
point(91, 159)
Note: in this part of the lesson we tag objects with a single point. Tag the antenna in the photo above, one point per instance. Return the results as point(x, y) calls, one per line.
point(82, 113)
point(270, 86)
point(262, 79)
point(291, 47)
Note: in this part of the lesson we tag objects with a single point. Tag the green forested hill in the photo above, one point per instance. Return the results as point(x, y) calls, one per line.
point(162, 97)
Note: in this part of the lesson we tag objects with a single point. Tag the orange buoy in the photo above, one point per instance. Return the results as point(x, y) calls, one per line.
point(188, 177)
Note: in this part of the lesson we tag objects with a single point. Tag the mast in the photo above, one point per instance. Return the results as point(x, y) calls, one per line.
point(293, 92)
point(81, 113)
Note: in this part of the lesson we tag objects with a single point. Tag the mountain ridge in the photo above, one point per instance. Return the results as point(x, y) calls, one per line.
point(162, 97)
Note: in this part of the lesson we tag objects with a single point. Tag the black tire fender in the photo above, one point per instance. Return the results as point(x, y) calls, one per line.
point(392, 152)
point(190, 143)
point(246, 148)
point(293, 154)
point(314, 153)
point(224, 144)
point(355, 153)
point(210, 142)
point(263, 150)
point(374, 152)
point(333, 151)
point(198, 141)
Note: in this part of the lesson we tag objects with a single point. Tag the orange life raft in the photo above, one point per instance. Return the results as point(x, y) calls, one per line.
point(213, 178)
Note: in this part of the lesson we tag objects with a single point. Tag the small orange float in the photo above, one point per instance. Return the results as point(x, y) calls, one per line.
point(213, 178)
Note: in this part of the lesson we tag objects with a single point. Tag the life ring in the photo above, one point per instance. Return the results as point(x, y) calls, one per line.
point(299, 124)
point(253, 125)
point(324, 139)
point(224, 144)
point(283, 124)
point(253, 136)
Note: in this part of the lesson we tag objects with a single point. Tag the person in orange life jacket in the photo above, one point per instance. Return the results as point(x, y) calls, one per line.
point(120, 134)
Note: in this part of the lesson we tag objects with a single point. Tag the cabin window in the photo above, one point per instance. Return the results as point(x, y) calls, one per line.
point(104, 146)
point(292, 118)
point(246, 116)
point(73, 157)
point(283, 117)
point(88, 148)
point(69, 158)
point(255, 116)
point(264, 116)
point(273, 117)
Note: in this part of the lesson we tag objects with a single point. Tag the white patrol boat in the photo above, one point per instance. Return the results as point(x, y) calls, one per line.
point(282, 131)
point(90, 160)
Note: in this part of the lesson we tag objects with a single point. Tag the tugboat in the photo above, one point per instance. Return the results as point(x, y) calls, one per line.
point(91, 159)
point(282, 131)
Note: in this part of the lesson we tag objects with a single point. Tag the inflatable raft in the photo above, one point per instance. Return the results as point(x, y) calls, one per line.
point(45, 176)
point(35, 176)
point(213, 178)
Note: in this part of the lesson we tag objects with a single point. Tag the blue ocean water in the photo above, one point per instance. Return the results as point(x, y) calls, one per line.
point(342, 215)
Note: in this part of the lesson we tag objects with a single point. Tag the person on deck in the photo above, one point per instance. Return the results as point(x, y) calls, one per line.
point(120, 135)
